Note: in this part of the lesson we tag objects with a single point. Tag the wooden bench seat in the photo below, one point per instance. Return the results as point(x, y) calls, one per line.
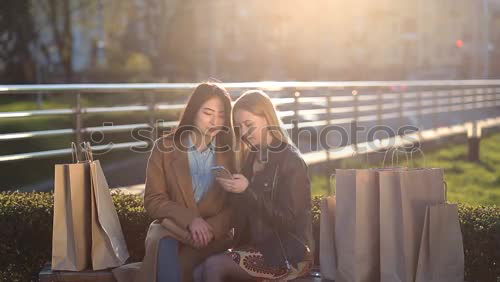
point(47, 275)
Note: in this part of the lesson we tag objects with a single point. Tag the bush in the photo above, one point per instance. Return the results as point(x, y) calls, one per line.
point(26, 231)
point(26, 234)
point(481, 236)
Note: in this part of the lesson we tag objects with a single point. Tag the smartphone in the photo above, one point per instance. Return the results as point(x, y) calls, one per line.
point(222, 172)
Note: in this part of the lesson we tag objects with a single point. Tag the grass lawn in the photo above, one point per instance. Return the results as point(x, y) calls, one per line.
point(468, 182)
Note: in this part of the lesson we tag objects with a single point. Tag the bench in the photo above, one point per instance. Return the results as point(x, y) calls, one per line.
point(47, 275)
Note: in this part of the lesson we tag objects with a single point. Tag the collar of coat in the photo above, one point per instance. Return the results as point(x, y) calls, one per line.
point(178, 163)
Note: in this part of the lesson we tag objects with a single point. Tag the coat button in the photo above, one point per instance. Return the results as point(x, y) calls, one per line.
point(265, 184)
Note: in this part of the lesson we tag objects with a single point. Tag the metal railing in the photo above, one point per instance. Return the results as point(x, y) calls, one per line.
point(301, 105)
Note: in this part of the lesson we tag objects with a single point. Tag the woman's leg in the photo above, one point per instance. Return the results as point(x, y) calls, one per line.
point(219, 267)
point(169, 268)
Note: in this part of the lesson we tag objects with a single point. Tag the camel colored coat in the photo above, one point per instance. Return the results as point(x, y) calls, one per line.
point(169, 199)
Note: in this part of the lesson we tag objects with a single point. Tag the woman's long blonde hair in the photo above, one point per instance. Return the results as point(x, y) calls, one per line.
point(258, 103)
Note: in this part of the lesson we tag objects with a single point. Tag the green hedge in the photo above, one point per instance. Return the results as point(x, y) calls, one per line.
point(26, 231)
point(26, 234)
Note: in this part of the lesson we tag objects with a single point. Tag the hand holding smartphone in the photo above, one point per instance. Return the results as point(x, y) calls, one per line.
point(222, 172)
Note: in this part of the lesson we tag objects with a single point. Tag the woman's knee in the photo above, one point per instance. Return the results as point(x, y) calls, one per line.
point(212, 263)
point(220, 267)
point(215, 266)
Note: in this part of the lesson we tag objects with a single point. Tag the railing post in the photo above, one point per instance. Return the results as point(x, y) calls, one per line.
point(152, 117)
point(328, 154)
point(496, 90)
point(462, 98)
point(476, 98)
point(491, 97)
point(473, 141)
point(400, 111)
point(295, 121)
point(328, 122)
point(497, 96)
point(450, 98)
point(39, 100)
point(354, 122)
point(419, 110)
point(78, 119)
point(435, 108)
point(380, 103)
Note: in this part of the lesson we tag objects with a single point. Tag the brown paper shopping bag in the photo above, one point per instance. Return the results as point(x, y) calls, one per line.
point(71, 237)
point(327, 251)
point(404, 197)
point(109, 248)
point(357, 225)
point(441, 255)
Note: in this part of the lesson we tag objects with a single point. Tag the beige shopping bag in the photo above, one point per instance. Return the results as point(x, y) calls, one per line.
point(357, 225)
point(404, 197)
point(441, 255)
point(327, 251)
point(71, 235)
point(109, 248)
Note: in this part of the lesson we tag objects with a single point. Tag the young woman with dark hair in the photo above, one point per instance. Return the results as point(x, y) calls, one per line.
point(190, 209)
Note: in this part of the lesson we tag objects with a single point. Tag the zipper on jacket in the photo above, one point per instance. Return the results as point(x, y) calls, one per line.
point(287, 262)
point(275, 179)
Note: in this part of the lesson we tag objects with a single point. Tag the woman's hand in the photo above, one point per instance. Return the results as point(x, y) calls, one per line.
point(201, 232)
point(238, 184)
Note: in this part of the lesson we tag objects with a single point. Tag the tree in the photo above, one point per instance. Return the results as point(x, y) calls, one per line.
point(17, 34)
point(155, 28)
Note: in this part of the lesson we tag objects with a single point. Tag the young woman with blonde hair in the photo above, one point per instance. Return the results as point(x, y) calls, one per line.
point(271, 200)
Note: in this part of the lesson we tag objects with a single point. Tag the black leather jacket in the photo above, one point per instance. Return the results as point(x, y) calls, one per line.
point(273, 215)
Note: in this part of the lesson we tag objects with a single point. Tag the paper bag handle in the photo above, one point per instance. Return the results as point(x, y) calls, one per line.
point(355, 153)
point(74, 153)
point(394, 150)
point(445, 186)
point(88, 151)
point(397, 157)
point(333, 187)
point(408, 161)
point(417, 149)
